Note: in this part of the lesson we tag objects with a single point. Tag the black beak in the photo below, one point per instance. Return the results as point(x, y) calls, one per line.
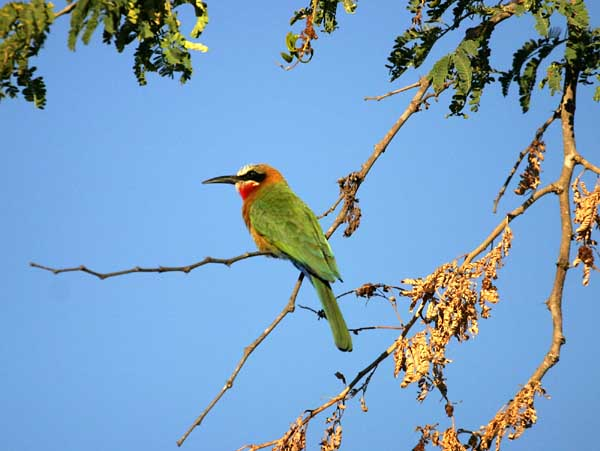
point(231, 179)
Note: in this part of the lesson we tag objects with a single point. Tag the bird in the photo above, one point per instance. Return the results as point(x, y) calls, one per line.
point(283, 226)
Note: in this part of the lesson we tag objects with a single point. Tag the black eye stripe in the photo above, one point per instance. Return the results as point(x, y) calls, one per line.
point(254, 176)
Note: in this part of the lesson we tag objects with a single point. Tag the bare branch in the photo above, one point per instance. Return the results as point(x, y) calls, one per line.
point(66, 10)
point(586, 164)
point(508, 219)
point(360, 329)
point(554, 302)
point(138, 269)
point(332, 208)
point(396, 91)
point(351, 183)
point(289, 308)
point(538, 135)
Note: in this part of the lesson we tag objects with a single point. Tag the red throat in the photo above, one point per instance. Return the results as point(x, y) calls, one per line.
point(246, 188)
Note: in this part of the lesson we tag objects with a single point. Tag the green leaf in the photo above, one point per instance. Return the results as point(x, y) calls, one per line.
point(464, 70)
point(554, 74)
point(78, 17)
point(577, 14)
point(201, 10)
point(597, 94)
point(542, 24)
point(411, 49)
point(439, 72)
point(349, 6)
point(287, 57)
point(325, 14)
point(469, 46)
point(519, 9)
point(290, 41)
point(109, 24)
point(23, 31)
point(195, 46)
point(527, 83)
point(91, 23)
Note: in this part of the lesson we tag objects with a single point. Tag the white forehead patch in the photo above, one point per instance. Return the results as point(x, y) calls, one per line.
point(245, 169)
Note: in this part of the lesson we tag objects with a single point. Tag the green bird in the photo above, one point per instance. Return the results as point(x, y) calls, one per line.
point(282, 225)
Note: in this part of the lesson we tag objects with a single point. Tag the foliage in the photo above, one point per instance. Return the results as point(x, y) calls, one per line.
point(23, 30)
point(154, 24)
point(319, 13)
point(468, 69)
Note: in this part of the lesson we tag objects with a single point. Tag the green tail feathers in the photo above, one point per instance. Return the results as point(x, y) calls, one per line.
point(341, 336)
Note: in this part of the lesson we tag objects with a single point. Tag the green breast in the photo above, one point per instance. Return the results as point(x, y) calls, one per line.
point(287, 224)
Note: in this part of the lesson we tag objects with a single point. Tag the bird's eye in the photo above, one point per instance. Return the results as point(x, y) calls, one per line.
point(252, 175)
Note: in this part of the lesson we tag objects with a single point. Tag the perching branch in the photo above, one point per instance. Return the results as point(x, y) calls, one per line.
point(137, 269)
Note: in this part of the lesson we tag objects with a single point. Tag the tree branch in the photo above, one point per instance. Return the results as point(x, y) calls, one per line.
point(289, 308)
point(397, 91)
point(137, 269)
point(550, 188)
point(332, 208)
point(66, 10)
point(586, 164)
point(538, 135)
point(554, 302)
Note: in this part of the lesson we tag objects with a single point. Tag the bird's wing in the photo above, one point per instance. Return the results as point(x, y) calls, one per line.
point(283, 219)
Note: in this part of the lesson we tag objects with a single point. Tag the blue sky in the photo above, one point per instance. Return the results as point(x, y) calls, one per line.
point(108, 175)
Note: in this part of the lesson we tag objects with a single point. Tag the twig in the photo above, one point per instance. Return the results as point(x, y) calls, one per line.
point(397, 91)
point(360, 329)
point(247, 351)
point(380, 148)
point(137, 269)
point(66, 10)
point(373, 286)
point(320, 313)
point(538, 135)
point(550, 188)
point(586, 164)
point(332, 208)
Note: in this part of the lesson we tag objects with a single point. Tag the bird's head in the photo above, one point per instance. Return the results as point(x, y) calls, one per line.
point(250, 178)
